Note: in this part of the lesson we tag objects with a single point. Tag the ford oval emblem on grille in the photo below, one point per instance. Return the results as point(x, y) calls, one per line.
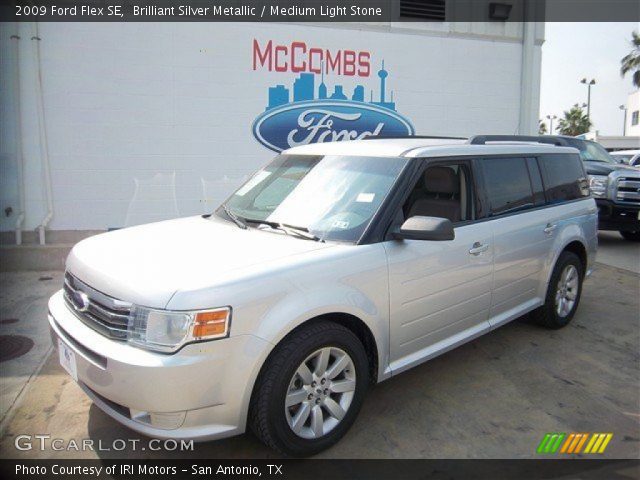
point(80, 301)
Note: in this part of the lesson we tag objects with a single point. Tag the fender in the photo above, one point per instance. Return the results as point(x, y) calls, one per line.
point(294, 311)
point(569, 234)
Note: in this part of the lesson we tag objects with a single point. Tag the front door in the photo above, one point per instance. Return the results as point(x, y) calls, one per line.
point(440, 291)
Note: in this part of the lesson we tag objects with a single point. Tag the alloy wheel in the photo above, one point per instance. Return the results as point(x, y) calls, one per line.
point(320, 392)
point(567, 290)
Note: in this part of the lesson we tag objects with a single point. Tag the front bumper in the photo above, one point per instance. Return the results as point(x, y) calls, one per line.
point(614, 216)
point(201, 392)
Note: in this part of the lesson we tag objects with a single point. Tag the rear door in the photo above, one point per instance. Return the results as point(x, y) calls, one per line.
point(512, 193)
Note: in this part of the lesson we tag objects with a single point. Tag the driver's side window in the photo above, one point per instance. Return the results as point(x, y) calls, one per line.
point(442, 191)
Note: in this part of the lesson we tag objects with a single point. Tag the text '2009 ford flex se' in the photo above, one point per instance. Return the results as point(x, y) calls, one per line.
point(336, 266)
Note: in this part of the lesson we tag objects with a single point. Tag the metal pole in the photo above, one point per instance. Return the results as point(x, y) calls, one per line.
point(624, 124)
point(551, 126)
point(589, 101)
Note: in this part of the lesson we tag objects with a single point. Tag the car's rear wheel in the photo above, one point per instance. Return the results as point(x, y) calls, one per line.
point(563, 293)
point(632, 236)
point(310, 390)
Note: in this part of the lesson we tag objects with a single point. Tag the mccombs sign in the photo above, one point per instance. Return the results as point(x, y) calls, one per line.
point(309, 110)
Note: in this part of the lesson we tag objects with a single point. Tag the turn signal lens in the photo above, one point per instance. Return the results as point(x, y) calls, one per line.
point(211, 324)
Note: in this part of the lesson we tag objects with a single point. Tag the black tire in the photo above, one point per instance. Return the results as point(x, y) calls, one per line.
point(547, 315)
point(631, 236)
point(267, 416)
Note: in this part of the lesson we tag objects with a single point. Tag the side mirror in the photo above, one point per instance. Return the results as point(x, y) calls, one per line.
point(426, 228)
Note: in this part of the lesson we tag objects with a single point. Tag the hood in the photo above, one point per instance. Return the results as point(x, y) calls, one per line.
point(602, 168)
point(147, 264)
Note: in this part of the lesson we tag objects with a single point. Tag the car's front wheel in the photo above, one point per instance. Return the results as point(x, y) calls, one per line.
point(310, 390)
point(632, 236)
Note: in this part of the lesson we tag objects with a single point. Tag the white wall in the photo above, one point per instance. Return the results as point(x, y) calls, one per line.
point(168, 108)
point(8, 115)
point(633, 105)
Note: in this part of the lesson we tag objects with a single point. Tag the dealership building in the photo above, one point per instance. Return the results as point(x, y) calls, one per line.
point(108, 125)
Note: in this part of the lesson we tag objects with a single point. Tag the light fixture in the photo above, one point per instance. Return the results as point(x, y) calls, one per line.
point(499, 11)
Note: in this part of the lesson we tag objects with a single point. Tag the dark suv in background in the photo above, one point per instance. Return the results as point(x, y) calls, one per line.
point(615, 187)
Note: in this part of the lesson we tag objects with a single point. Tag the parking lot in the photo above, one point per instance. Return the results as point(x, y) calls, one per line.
point(495, 397)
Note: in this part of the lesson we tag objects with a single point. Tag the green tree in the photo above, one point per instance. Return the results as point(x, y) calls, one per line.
point(631, 63)
point(542, 127)
point(575, 122)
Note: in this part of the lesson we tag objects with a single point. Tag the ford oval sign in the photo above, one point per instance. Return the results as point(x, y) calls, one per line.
point(300, 123)
point(311, 113)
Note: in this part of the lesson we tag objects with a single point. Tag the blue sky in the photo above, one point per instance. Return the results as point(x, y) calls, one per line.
point(573, 51)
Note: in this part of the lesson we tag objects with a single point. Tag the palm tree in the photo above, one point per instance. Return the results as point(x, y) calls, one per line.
point(542, 127)
point(631, 63)
point(575, 122)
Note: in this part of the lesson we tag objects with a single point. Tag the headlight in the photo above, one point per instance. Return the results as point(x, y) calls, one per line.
point(167, 331)
point(598, 185)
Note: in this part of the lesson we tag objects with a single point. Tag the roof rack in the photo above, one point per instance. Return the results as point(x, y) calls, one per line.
point(395, 137)
point(484, 139)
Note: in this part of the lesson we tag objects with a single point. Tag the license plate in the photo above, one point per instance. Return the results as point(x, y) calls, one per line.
point(67, 359)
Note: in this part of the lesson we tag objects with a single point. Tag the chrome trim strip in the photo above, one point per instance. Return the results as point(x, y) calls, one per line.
point(104, 314)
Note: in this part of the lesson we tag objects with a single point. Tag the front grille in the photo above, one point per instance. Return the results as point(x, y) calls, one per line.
point(628, 190)
point(103, 313)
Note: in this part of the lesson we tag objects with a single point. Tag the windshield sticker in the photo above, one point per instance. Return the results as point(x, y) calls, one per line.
point(366, 197)
point(255, 180)
point(340, 224)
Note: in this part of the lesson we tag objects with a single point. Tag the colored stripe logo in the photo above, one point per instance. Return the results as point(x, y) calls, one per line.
point(573, 443)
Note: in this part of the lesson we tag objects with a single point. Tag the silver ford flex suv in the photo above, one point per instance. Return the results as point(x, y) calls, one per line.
point(336, 266)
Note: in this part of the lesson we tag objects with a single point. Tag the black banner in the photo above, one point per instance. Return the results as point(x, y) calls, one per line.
point(321, 469)
point(321, 11)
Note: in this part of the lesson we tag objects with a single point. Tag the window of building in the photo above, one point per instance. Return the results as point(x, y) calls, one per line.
point(634, 117)
point(424, 9)
point(564, 178)
point(507, 185)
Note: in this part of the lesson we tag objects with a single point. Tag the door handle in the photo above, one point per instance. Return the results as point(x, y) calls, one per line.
point(550, 228)
point(478, 248)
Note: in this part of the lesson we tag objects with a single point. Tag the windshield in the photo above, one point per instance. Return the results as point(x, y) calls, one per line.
point(330, 197)
point(622, 158)
point(592, 151)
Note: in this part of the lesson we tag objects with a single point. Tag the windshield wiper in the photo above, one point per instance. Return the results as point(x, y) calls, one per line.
point(301, 232)
point(236, 219)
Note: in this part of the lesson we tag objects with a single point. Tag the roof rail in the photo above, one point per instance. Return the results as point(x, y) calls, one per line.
point(394, 137)
point(483, 139)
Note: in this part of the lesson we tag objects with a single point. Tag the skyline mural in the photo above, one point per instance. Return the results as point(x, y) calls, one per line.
point(304, 90)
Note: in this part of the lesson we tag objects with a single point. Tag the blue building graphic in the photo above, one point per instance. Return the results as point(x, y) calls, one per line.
point(303, 87)
point(304, 90)
point(278, 95)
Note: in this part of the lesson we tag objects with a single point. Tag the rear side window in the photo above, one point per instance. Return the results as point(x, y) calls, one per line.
point(564, 178)
point(507, 185)
point(536, 182)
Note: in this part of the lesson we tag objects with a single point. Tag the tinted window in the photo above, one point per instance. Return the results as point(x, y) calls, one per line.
point(536, 181)
point(507, 184)
point(564, 178)
point(590, 151)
